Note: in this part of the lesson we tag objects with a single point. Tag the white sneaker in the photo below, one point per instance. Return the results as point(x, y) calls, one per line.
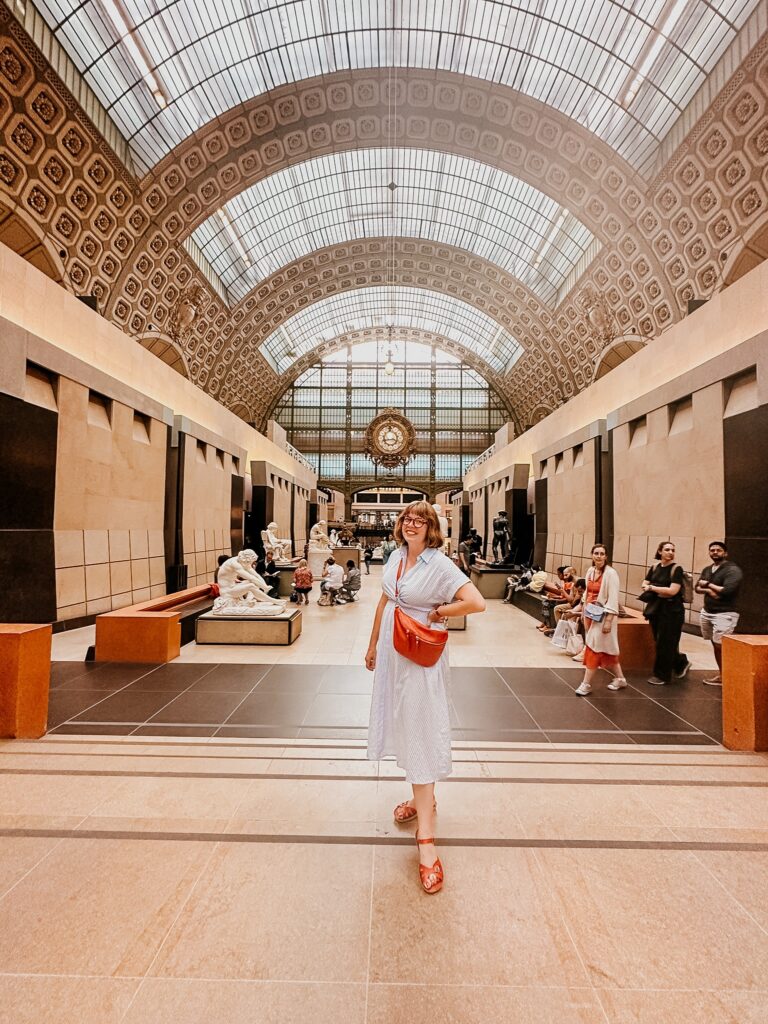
point(617, 684)
point(584, 689)
point(714, 681)
point(684, 672)
point(578, 657)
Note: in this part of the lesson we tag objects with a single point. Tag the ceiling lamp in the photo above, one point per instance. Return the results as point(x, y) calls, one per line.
point(389, 366)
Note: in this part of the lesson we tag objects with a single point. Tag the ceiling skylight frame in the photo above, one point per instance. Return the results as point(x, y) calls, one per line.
point(382, 306)
point(447, 199)
point(206, 65)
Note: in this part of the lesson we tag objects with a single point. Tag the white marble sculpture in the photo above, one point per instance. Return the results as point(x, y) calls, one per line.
point(334, 539)
point(443, 521)
point(281, 547)
point(318, 538)
point(243, 591)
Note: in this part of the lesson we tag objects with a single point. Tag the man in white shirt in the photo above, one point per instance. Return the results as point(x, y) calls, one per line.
point(333, 579)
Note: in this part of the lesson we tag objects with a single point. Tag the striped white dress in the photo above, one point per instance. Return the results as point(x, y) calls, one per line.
point(410, 715)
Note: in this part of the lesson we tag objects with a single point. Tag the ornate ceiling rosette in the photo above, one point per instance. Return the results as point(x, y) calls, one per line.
point(390, 439)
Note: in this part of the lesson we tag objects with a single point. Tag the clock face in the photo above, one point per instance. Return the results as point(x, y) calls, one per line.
point(391, 438)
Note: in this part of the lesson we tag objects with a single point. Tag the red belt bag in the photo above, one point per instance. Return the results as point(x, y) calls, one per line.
point(413, 639)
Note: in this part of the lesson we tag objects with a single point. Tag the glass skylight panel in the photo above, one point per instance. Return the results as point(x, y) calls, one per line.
point(343, 196)
point(583, 57)
point(384, 307)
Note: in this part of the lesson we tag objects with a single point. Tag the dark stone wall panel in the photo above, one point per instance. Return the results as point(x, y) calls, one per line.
point(542, 528)
point(28, 436)
point(28, 591)
point(745, 444)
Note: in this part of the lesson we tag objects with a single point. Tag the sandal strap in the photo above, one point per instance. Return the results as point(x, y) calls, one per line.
point(425, 842)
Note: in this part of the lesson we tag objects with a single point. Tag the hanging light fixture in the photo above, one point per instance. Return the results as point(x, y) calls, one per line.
point(389, 366)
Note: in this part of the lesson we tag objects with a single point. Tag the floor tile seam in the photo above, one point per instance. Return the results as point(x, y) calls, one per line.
point(327, 777)
point(245, 697)
point(105, 697)
point(33, 867)
point(545, 879)
point(474, 842)
point(731, 895)
point(369, 956)
point(657, 702)
point(170, 928)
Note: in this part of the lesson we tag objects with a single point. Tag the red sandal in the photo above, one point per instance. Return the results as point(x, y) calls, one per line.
point(408, 813)
point(431, 878)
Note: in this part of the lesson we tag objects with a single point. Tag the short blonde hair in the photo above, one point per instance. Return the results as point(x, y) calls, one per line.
point(421, 508)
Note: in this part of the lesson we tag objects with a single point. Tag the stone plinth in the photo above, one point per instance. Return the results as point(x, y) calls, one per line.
point(285, 584)
point(490, 582)
point(745, 692)
point(272, 630)
point(25, 679)
point(343, 554)
point(316, 560)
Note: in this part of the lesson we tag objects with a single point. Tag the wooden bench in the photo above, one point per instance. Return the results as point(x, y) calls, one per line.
point(745, 692)
point(25, 679)
point(152, 631)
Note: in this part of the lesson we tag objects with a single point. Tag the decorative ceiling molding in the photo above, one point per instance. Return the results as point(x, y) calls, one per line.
point(362, 265)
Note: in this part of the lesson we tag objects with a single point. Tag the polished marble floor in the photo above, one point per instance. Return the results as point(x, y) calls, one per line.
point(206, 843)
point(211, 881)
point(332, 701)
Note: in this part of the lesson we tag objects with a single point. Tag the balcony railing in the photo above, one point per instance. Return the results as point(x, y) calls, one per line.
point(483, 457)
point(296, 454)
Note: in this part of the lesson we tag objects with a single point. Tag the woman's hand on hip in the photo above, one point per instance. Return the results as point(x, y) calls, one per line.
point(433, 616)
point(370, 659)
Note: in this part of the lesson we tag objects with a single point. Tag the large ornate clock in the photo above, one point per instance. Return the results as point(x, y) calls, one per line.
point(389, 439)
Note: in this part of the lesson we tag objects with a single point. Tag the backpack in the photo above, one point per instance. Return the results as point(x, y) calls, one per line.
point(687, 588)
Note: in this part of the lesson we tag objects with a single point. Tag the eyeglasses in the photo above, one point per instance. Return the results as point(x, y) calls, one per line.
point(416, 521)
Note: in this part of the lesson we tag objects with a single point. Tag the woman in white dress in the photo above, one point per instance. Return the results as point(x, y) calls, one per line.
point(410, 715)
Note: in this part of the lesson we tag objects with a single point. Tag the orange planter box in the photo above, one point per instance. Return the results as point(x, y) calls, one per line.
point(25, 679)
point(745, 692)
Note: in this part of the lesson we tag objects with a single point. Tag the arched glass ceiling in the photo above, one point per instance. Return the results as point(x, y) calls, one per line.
point(438, 197)
point(622, 68)
point(384, 307)
point(403, 352)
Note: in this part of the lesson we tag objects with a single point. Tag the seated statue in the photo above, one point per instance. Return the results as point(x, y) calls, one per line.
point(242, 590)
point(281, 547)
point(318, 538)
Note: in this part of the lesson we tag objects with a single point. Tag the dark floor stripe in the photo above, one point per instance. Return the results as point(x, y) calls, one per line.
point(302, 776)
point(511, 844)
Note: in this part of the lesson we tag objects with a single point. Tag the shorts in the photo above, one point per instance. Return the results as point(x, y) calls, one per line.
point(716, 625)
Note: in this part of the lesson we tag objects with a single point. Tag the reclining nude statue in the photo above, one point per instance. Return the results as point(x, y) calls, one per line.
point(243, 591)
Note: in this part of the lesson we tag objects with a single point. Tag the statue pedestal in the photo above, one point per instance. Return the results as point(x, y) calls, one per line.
point(316, 560)
point(273, 630)
point(344, 553)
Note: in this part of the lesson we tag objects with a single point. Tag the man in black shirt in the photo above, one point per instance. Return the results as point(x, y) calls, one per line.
point(719, 583)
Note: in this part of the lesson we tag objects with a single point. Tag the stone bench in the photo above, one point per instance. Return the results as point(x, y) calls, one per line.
point(25, 679)
point(745, 692)
point(152, 631)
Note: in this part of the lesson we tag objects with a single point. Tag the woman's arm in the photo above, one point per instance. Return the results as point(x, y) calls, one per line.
point(370, 656)
point(670, 591)
point(468, 600)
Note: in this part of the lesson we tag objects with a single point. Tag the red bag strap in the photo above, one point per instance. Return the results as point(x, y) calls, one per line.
point(397, 578)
